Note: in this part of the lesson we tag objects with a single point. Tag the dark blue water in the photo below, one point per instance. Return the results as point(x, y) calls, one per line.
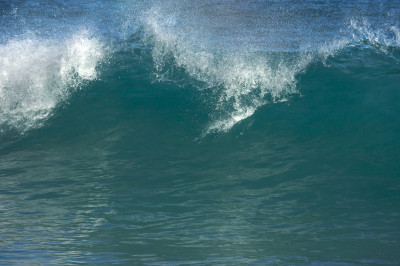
point(200, 132)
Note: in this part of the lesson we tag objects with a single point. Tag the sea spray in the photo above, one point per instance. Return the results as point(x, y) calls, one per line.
point(244, 80)
point(37, 74)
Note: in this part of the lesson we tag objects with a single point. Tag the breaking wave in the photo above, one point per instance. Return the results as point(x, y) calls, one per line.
point(37, 74)
point(189, 45)
point(244, 80)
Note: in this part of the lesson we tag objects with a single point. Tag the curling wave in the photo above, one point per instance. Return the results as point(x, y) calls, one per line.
point(244, 80)
point(37, 74)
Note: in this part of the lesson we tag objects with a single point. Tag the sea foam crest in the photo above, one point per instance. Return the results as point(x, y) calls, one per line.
point(362, 30)
point(362, 34)
point(37, 74)
point(243, 80)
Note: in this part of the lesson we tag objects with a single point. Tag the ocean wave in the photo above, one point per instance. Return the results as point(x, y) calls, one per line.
point(239, 75)
point(37, 74)
point(361, 34)
point(244, 80)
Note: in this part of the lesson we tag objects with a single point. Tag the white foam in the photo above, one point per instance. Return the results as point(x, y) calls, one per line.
point(396, 32)
point(360, 34)
point(37, 74)
point(243, 79)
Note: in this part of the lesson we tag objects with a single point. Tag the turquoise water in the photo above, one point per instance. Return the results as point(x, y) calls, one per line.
point(200, 132)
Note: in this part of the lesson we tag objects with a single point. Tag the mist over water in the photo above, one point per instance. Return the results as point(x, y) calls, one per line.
point(199, 132)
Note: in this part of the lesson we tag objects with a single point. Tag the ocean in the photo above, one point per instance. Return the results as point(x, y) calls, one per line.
point(208, 132)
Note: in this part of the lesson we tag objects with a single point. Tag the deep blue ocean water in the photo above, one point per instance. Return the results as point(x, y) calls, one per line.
point(212, 132)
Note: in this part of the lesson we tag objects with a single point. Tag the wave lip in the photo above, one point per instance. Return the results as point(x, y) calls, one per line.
point(242, 80)
point(37, 74)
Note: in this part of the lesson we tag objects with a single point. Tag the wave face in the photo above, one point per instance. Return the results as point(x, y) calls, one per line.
point(200, 132)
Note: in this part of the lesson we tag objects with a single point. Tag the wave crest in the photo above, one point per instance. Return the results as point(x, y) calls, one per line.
point(38, 74)
point(242, 80)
